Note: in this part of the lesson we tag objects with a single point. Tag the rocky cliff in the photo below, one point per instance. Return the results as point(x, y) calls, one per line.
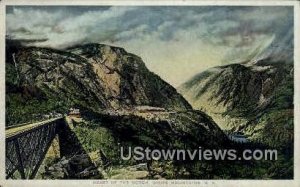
point(94, 76)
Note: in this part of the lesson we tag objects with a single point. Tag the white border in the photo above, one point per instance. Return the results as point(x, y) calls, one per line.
point(66, 183)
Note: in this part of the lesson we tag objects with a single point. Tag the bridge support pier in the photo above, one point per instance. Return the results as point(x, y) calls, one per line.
point(54, 149)
point(27, 149)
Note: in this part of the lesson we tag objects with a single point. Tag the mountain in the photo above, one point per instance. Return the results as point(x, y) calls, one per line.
point(91, 76)
point(252, 98)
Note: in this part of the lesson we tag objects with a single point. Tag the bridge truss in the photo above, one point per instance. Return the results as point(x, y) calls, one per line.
point(26, 150)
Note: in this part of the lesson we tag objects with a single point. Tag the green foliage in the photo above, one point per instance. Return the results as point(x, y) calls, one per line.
point(95, 138)
point(23, 110)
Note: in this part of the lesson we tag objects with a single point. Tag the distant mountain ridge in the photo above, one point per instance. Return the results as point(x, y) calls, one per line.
point(248, 98)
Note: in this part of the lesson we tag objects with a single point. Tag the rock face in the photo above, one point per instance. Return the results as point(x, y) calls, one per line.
point(247, 98)
point(92, 76)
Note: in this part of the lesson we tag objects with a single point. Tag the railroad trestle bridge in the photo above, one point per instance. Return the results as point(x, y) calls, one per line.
point(27, 145)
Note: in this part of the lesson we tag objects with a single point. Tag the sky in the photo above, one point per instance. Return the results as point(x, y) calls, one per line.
point(174, 42)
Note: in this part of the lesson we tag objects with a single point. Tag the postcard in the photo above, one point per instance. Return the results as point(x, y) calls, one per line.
point(149, 93)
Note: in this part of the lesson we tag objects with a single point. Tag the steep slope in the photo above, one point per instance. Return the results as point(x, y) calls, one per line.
point(93, 76)
point(248, 98)
point(127, 80)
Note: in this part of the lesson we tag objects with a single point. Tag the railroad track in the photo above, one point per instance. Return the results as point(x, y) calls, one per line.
point(19, 129)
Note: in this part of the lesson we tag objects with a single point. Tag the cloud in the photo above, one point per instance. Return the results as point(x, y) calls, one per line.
point(175, 42)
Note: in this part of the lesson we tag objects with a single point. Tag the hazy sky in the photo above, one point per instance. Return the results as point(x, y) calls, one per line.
point(174, 42)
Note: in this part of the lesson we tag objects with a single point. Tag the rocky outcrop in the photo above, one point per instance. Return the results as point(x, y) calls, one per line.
point(77, 167)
